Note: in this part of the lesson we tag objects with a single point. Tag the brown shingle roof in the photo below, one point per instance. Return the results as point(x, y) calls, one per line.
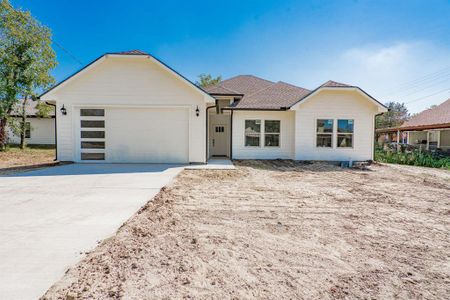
point(131, 52)
point(242, 84)
point(259, 93)
point(220, 90)
point(434, 116)
point(331, 83)
point(279, 95)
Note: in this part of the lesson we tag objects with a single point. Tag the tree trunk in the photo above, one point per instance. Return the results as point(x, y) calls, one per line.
point(23, 127)
point(3, 134)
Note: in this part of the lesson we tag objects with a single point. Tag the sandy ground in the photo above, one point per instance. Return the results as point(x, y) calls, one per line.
point(15, 159)
point(279, 230)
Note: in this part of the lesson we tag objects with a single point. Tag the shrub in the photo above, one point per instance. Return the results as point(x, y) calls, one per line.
point(413, 158)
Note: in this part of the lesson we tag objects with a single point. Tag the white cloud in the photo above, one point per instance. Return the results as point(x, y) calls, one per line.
point(386, 71)
point(403, 71)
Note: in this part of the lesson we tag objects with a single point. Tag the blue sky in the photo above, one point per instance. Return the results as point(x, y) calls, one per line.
point(395, 50)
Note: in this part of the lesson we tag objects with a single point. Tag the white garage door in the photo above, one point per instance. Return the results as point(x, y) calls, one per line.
point(144, 135)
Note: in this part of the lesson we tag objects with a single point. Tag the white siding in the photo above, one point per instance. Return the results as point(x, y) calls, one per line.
point(42, 132)
point(286, 149)
point(127, 82)
point(335, 104)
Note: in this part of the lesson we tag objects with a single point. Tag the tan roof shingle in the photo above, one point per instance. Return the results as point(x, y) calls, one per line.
point(434, 116)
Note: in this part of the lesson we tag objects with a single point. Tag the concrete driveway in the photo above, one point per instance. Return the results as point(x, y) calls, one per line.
point(48, 217)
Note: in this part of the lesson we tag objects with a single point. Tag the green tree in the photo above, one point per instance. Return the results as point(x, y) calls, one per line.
point(26, 59)
point(207, 80)
point(397, 114)
point(43, 110)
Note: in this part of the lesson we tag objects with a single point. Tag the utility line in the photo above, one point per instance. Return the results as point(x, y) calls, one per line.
point(71, 55)
point(423, 79)
point(427, 96)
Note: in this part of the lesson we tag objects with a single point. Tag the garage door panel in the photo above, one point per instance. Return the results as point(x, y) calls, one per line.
point(147, 135)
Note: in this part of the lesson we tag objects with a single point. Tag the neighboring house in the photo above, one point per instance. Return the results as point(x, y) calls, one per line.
point(39, 131)
point(429, 129)
point(131, 107)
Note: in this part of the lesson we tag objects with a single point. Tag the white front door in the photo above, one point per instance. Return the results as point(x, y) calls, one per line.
point(219, 140)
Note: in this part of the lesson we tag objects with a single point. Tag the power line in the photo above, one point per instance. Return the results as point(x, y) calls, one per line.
point(413, 83)
point(70, 54)
point(425, 86)
point(427, 96)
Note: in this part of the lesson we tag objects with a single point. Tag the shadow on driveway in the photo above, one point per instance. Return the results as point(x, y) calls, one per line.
point(96, 169)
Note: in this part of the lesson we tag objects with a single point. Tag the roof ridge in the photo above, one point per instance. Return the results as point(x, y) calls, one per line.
point(228, 89)
point(293, 85)
point(246, 75)
point(131, 52)
point(332, 83)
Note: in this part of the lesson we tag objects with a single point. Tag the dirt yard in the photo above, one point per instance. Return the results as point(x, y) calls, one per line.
point(15, 159)
point(279, 230)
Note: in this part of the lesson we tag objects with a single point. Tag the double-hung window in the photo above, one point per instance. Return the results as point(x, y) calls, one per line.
point(345, 133)
point(27, 130)
point(324, 133)
point(272, 133)
point(252, 133)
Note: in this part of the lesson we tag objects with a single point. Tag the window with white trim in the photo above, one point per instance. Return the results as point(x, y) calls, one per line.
point(324, 133)
point(252, 133)
point(344, 133)
point(272, 133)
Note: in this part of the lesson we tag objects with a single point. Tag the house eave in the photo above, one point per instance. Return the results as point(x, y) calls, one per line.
point(208, 98)
point(381, 107)
point(256, 109)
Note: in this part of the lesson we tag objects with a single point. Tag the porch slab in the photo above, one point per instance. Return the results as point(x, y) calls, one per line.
point(214, 164)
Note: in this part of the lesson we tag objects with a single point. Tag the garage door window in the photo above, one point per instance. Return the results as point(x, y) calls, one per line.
point(92, 124)
point(92, 133)
point(92, 145)
point(92, 156)
point(92, 112)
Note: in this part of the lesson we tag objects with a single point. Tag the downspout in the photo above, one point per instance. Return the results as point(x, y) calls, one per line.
point(207, 132)
point(56, 136)
point(231, 136)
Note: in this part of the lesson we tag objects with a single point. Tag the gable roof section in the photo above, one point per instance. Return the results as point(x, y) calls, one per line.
point(435, 116)
point(337, 85)
point(128, 53)
point(240, 85)
point(260, 94)
point(331, 83)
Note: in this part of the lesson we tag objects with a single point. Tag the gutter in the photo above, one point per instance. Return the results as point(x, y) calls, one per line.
point(231, 136)
point(56, 135)
point(257, 109)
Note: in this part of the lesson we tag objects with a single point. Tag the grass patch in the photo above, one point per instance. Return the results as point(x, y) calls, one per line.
point(13, 147)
